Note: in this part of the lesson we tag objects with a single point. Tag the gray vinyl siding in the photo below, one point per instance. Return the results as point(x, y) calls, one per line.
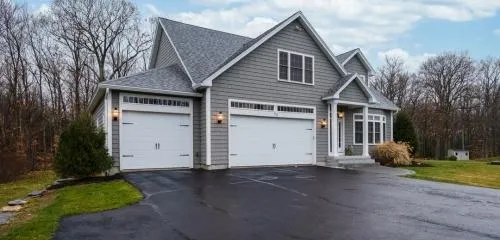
point(349, 125)
point(99, 114)
point(255, 78)
point(115, 130)
point(353, 93)
point(196, 133)
point(166, 55)
point(355, 66)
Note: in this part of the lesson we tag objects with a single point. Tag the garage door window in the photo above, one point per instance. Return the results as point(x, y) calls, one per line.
point(156, 101)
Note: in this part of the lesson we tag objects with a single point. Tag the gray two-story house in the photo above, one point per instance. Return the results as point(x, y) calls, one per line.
point(216, 100)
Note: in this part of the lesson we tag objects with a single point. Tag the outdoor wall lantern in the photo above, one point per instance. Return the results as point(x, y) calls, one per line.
point(116, 113)
point(340, 114)
point(322, 123)
point(220, 117)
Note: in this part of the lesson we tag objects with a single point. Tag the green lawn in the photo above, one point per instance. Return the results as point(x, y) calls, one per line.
point(20, 188)
point(40, 218)
point(475, 172)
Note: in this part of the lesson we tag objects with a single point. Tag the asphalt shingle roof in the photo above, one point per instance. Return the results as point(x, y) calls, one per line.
point(342, 57)
point(202, 50)
point(171, 78)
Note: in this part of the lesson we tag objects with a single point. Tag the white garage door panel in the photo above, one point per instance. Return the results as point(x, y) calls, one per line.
point(155, 140)
point(270, 141)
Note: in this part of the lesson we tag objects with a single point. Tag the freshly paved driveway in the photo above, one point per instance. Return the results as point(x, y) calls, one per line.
point(292, 203)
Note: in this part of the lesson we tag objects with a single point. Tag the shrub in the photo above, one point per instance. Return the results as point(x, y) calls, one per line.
point(452, 158)
point(404, 131)
point(82, 151)
point(392, 154)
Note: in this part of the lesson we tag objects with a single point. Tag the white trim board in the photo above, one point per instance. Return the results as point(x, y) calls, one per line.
point(208, 130)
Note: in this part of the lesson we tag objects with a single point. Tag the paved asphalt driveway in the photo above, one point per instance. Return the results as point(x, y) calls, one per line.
point(292, 203)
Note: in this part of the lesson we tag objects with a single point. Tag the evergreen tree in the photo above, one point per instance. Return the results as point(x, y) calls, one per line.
point(82, 151)
point(404, 131)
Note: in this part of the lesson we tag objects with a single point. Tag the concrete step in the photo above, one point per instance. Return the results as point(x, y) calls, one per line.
point(349, 161)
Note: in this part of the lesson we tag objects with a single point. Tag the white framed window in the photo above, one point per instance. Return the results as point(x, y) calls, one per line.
point(295, 67)
point(376, 128)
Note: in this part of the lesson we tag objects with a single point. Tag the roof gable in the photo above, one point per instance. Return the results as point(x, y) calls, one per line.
point(344, 58)
point(255, 43)
point(346, 81)
point(200, 49)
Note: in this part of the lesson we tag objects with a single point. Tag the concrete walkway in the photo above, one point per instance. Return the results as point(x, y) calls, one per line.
point(382, 170)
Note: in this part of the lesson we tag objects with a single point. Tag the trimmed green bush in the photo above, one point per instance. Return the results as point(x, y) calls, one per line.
point(452, 158)
point(82, 151)
point(404, 131)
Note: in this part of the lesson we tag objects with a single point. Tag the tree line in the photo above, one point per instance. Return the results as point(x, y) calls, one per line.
point(50, 65)
point(452, 99)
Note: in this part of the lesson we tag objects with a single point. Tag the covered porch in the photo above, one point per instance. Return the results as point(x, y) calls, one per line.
point(355, 123)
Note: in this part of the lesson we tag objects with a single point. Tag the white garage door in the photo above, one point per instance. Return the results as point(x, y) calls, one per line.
point(259, 141)
point(155, 140)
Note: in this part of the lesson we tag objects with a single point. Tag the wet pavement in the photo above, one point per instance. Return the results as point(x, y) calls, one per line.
point(292, 203)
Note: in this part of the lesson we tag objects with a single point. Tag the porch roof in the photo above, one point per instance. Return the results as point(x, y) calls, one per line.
point(376, 99)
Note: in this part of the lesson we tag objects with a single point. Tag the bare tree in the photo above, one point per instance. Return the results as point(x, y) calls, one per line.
point(100, 25)
point(393, 80)
point(447, 78)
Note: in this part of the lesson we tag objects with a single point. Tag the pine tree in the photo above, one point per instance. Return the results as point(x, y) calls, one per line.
point(404, 131)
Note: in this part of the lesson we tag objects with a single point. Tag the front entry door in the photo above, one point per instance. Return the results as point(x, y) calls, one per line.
point(340, 135)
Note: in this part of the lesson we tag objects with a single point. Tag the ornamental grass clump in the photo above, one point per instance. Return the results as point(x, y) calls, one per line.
point(392, 154)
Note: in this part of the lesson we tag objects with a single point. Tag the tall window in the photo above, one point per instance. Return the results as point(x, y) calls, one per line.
point(295, 67)
point(283, 65)
point(358, 129)
point(376, 128)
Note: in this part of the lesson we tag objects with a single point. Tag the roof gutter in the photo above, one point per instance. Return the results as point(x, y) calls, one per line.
point(150, 90)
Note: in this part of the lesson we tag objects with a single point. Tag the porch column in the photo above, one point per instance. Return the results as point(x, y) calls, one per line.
point(365, 132)
point(334, 129)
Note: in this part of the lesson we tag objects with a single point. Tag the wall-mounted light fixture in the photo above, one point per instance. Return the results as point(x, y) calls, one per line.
point(220, 117)
point(115, 114)
point(340, 114)
point(323, 123)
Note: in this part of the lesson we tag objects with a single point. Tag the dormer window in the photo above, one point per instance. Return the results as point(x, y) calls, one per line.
point(295, 67)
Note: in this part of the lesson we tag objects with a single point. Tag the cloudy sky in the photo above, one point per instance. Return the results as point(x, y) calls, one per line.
point(412, 30)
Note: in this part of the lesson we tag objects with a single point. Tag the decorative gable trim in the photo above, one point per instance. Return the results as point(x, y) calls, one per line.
point(363, 59)
point(208, 81)
point(364, 88)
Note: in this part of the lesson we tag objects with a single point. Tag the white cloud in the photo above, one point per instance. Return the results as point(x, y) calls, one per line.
point(343, 24)
point(153, 11)
point(496, 32)
point(412, 62)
